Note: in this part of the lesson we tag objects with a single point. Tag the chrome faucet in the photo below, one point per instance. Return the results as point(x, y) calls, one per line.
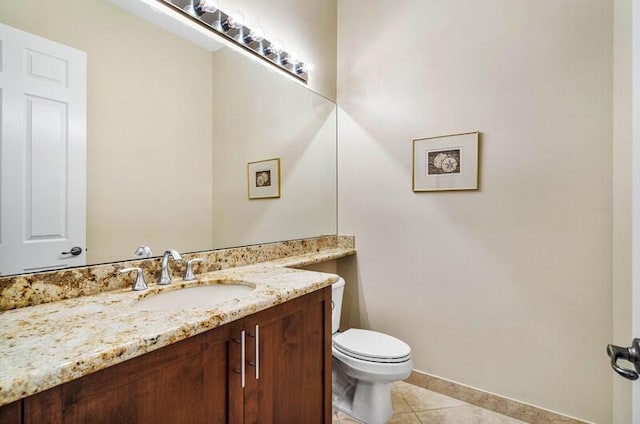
point(165, 275)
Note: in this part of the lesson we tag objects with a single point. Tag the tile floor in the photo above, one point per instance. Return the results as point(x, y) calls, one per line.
point(415, 405)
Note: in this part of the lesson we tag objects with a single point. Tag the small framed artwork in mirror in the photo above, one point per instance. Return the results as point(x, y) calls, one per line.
point(264, 179)
point(446, 162)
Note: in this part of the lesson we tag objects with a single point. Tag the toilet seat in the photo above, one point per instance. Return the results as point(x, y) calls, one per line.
point(371, 346)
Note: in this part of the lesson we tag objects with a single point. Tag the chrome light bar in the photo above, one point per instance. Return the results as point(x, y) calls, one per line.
point(232, 28)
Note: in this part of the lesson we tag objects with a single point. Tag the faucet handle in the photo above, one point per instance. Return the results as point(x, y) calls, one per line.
point(188, 273)
point(140, 284)
point(144, 252)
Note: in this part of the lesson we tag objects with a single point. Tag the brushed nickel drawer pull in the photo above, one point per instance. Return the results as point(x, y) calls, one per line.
point(257, 362)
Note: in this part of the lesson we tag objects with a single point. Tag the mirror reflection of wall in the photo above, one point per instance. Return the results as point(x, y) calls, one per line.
point(306, 148)
point(171, 128)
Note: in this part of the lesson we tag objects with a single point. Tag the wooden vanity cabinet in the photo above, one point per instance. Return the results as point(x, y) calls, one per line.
point(287, 378)
point(11, 413)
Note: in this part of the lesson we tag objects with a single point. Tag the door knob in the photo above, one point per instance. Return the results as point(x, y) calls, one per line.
point(631, 354)
point(75, 251)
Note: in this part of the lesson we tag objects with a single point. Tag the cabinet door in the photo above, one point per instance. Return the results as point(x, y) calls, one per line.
point(182, 383)
point(289, 380)
point(11, 413)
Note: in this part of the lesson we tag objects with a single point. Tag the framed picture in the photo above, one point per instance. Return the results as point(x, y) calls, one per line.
point(264, 179)
point(446, 162)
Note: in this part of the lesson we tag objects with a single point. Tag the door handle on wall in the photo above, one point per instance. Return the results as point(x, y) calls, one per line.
point(631, 354)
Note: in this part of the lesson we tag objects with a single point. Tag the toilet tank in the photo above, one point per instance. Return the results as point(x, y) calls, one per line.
point(337, 290)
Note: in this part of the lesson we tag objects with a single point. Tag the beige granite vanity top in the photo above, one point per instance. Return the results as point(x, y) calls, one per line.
point(45, 345)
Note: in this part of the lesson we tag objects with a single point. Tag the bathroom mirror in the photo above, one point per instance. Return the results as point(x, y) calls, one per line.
point(171, 128)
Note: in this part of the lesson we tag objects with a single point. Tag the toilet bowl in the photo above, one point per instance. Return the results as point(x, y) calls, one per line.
point(365, 365)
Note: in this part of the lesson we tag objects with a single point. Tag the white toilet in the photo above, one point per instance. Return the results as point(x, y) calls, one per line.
point(365, 364)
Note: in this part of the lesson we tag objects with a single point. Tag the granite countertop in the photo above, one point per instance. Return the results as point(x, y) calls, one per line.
point(46, 345)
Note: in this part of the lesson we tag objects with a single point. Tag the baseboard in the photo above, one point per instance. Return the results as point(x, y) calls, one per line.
point(502, 405)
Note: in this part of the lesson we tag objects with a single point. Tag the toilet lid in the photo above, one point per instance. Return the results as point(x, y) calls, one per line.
point(371, 346)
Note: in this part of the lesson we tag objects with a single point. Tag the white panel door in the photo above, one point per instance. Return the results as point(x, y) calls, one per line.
point(43, 153)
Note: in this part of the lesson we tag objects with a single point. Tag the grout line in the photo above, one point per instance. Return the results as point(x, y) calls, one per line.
point(433, 409)
point(441, 408)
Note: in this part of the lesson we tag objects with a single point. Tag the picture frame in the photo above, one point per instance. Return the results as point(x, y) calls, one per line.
point(446, 162)
point(263, 179)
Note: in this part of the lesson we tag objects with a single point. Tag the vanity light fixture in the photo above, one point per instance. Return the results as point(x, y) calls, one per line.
point(231, 26)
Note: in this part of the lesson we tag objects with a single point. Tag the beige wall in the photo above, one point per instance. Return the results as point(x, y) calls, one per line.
point(307, 28)
point(622, 334)
point(147, 169)
point(508, 288)
point(259, 115)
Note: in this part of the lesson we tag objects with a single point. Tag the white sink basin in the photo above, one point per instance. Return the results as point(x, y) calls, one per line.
point(193, 297)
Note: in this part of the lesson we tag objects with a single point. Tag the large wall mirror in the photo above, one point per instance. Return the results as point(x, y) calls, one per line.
point(171, 128)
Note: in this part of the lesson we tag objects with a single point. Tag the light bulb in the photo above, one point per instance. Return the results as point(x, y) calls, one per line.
point(236, 20)
point(209, 6)
point(256, 34)
point(301, 68)
point(293, 59)
point(275, 47)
